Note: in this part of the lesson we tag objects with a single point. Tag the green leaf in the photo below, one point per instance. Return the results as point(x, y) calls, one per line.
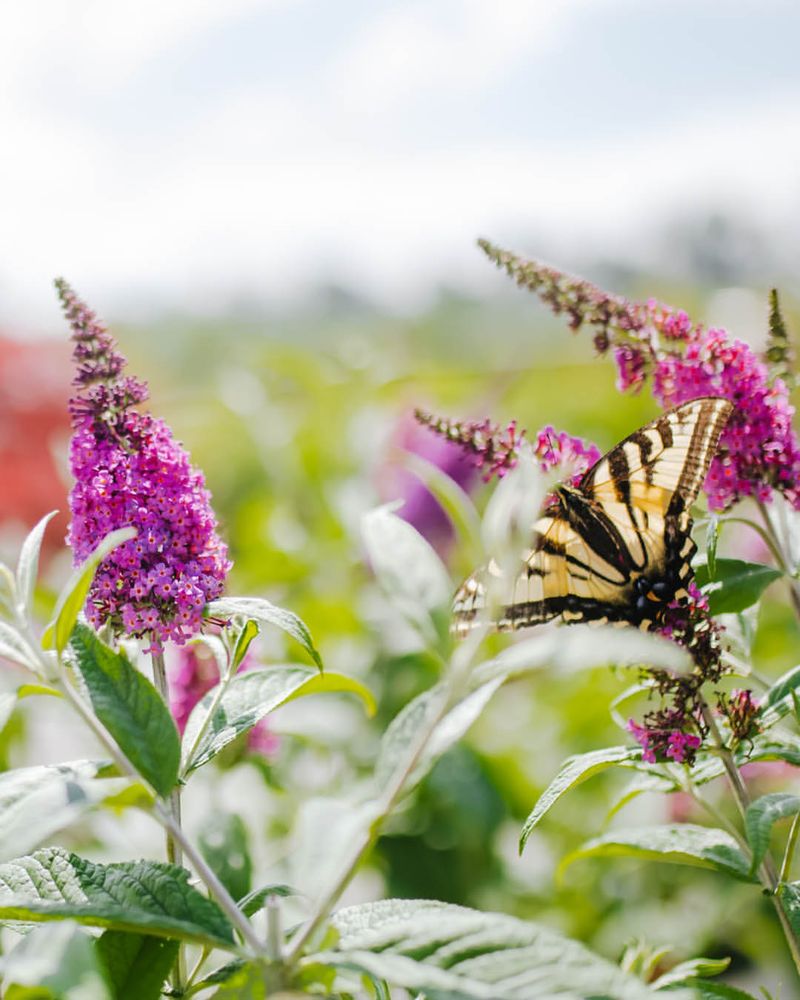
point(58, 959)
point(403, 733)
point(29, 690)
point(248, 632)
point(221, 974)
point(143, 896)
point(789, 895)
point(35, 802)
point(136, 965)
point(73, 596)
point(223, 843)
point(407, 568)
point(736, 584)
point(8, 702)
point(130, 708)
point(709, 989)
point(262, 612)
point(712, 538)
point(683, 843)
point(760, 817)
point(573, 771)
point(246, 983)
point(250, 697)
point(255, 900)
point(448, 951)
point(770, 751)
point(28, 565)
point(685, 973)
point(777, 702)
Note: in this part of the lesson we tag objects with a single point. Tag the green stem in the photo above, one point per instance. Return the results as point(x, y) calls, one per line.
point(198, 965)
point(216, 888)
point(691, 789)
point(174, 855)
point(767, 873)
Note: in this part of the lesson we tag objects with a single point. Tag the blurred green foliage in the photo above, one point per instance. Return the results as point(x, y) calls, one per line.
point(293, 419)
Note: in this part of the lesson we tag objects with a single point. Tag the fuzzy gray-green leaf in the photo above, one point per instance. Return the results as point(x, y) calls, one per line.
point(250, 697)
point(681, 843)
point(573, 771)
point(761, 816)
point(263, 612)
point(35, 802)
point(450, 951)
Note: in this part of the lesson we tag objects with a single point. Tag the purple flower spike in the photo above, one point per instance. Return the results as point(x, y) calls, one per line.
point(130, 471)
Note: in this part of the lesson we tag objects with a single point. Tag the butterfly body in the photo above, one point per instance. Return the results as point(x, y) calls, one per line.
point(616, 547)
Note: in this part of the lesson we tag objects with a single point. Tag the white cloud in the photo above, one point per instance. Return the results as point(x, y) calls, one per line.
point(416, 48)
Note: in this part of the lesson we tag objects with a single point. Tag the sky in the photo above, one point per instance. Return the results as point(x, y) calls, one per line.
point(188, 154)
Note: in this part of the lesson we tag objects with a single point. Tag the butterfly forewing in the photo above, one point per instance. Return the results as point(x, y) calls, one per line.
point(628, 518)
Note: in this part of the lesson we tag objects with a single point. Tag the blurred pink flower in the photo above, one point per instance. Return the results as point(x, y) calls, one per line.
point(420, 507)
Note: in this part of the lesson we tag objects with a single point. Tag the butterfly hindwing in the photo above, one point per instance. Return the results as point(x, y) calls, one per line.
point(627, 525)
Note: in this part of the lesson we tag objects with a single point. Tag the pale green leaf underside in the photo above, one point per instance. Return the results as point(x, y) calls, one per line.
point(35, 802)
point(454, 952)
point(73, 597)
point(573, 771)
point(250, 697)
point(401, 737)
point(263, 612)
point(683, 843)
point(28, 565)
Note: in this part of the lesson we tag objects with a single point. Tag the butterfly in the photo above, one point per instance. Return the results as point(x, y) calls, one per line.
point(617, 547)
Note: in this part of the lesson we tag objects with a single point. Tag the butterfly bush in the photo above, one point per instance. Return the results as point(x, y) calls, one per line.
point(130, 471)
point(758, 454)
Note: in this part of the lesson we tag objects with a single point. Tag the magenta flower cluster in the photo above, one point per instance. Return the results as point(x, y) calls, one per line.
point(129, 471)
point(759, 451)
point(665, 741)
point(556, 448)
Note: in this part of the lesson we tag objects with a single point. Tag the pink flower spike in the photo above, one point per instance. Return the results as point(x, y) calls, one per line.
point(129, 471)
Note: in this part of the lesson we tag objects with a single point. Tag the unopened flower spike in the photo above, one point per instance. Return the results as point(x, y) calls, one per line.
point(780, 352)
point(495, 449)
point(130, 471)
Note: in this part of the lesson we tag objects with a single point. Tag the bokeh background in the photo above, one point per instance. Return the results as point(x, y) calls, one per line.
point(275, 204)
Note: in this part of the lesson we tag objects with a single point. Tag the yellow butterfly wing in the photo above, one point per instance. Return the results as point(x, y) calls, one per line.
point(628, 519)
